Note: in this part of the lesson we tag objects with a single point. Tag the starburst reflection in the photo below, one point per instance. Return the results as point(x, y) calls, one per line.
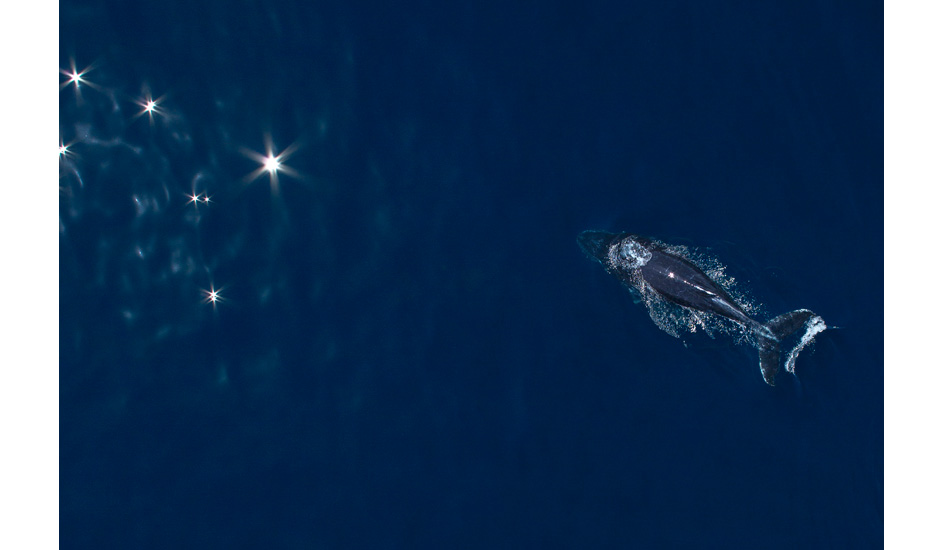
point(64, 152)
point(149, 105)
point(271, 164)
point(77, 78)
point(212, 296)
point(198, 198)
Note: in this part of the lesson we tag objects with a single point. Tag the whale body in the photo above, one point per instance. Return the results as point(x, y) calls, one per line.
point(653, 270)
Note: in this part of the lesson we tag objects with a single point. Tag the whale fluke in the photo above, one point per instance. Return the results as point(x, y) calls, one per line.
point(781, 328)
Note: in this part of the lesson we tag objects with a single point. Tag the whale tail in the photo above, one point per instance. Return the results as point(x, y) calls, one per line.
point(771, 335)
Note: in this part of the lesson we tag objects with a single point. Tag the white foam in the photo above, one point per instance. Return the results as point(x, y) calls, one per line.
point(634, 253)
point(814, 325)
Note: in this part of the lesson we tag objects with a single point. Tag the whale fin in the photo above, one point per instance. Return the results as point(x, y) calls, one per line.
point(782, 327)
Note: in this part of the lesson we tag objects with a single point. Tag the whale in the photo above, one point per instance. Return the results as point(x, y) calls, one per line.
point(673, 286)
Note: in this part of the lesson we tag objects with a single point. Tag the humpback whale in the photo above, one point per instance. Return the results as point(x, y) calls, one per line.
point(678, 294)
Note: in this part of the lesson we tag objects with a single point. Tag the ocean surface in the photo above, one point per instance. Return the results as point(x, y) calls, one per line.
point(390, 338)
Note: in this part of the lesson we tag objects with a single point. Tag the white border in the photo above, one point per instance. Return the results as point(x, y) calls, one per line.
point(29, 274)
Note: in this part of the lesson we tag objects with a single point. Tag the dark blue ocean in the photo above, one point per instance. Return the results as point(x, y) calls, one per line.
point(406, 346)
